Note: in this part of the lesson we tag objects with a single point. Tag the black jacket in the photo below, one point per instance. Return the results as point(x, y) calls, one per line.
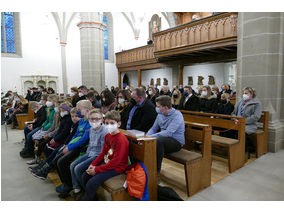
point(192, 103)
point(143, 117)
point(225, 109)
point(72, 132)
point(64, 129)
point(40, 117)
point(208, 105)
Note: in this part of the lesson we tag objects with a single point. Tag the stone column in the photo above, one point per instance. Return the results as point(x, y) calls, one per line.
point(92, 50)
point(260, 65)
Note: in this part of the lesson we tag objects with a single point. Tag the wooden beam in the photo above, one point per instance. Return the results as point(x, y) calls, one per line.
point(119, 79)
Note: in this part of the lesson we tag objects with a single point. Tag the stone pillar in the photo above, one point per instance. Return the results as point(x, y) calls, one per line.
point(92, 50)
point(63, 64)
point(260, 65)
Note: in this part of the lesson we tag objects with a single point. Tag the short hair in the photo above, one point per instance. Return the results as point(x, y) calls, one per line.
point(33, 104)
point(140, 92)
point(251, 90)
point(75, 89)
point(83, 88)
point(73, 110)
point(85, 103)
point(41, 86)
point(164, 100)
point(215, 88)
point(98, 111)
point(90, 94)
point(44, 97)
point(113, 115)
point(53, 97)
point(66, 103)
point(188, 87)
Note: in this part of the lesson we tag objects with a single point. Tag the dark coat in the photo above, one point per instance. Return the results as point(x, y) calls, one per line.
point(72, 132)
point(208, 105)
point(64, 129)
point(192, 103)
point(143, 117)
point(225, 109)
point(40, 117)
point(152, 99)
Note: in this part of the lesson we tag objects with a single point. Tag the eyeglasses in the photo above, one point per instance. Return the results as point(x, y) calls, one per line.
point(94, 119)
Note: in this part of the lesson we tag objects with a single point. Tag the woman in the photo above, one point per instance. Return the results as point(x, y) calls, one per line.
point(250, 108)
point(175, 99)
point(123, 99)
point(208, 101)
point(107, 101)
point(75, 96)
point(152, 95)
point(21, 106)
point(225, 107)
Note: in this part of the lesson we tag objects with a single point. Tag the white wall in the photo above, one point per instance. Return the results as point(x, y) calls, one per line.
point(161, 73)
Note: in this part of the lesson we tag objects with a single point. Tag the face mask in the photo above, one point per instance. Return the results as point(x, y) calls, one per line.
point(49, 103)
point(104, 99)
point(38, 90)
point(56, 109)
point(111, 128)
point(41, 103)
point(35, 110)
point(121, 100)
point(185, 94)
point(62, 114)
point(11, 97)
point(79, 114)
point(17, 99)
point(133, 101)
point(245, 97)
point(95, 125)
point(203, 93)
point(150, 92)
point(81, 94)
point(72, 94)
point(223, 101)
point(223, 89)
point(175, 96)
point(158, 110)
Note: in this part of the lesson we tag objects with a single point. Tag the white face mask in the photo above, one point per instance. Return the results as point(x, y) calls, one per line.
point(203, 93)
point(72, 94)
point(95, 125)
point(81, 94)
point(49, 103)
point(104, 99)
point(111, 128)
point(150, 92)
point(62, 114)
point(121, 100)
point(56, 109)
point(245, 97)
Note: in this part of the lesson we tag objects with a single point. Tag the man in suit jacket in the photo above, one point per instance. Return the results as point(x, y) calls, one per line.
point(140, 113)
point(189, 101)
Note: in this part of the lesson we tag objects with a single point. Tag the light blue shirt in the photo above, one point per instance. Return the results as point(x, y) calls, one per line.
point(132, 113)
point(240, 112)
point(171, 125)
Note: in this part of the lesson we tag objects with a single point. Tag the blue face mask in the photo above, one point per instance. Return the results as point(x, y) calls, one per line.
point(79, 114)
point(158, 110)
point(185, 94)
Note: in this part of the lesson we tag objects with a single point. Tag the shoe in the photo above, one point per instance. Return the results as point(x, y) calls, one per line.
point(26, 155)
point(63, 189)
point(40, 175)
point(37, 167)
point(63, 195)
point(77, 196)
point(33, 161)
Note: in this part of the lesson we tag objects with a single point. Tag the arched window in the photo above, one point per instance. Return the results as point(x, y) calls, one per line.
point(10, 34)
point(105, 37)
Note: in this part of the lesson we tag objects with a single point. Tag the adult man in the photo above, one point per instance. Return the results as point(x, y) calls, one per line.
point(168, 129)
point(83, 91)
point(189, 101)
point(140, 113)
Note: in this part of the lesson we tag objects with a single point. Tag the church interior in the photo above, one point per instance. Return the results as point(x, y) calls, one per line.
point(61, 50)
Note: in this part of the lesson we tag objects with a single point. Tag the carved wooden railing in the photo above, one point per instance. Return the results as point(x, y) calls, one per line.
point(214, 29)
point(211, 32)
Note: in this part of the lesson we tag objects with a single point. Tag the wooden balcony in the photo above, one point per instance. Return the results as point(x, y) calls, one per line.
point(209, 39)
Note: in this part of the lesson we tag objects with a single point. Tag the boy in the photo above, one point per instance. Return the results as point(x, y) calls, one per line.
point(97, 135)
point(112, 161)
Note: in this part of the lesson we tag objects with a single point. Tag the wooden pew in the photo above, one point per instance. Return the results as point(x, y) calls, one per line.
point(144, 151)
point(235, 147)
point(197, 166)
point(260, 138)
point(22, 118)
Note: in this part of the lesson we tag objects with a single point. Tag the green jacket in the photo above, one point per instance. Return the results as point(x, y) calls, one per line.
point(49, 118)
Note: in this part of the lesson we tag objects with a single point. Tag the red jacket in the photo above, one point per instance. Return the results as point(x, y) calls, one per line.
point(114, 154)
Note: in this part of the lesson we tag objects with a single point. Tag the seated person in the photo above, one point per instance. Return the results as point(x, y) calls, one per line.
point(83, 91)
point(215, 90)
point(112, 161)
point(97, 136)
point(176, 97)
point(152, 95)
point(91, 97)
point(189, 101)
point(140, 113)
point(35, 125)
point(123, 100)
point(168, 129)
point(108, 101)
point(250, 108)
point(21, 107)
point(44, 166)
point(75, 96)
point(207, 102)
point(165, 90)
point(225, 107)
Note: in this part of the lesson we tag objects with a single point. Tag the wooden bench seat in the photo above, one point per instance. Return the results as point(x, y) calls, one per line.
point(24, 117)
point(197, 166)
point(144, 151)
point(235, 147)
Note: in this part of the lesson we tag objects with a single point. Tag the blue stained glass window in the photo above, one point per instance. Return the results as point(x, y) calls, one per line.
point(105, 38)
point(7, 33)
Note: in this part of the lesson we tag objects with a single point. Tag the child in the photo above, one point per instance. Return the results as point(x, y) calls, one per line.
point(112, 161)
point(97, 135)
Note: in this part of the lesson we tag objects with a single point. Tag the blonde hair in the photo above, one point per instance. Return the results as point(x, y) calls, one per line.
point(53, 97)
point(93, 111)
point(225, 95)
point(85, 103)
point(66, 103)
point(251, 90)
point(73, 110)
point(33, 104)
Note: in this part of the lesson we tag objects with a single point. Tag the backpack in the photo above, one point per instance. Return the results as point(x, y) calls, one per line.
point(167, 194)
